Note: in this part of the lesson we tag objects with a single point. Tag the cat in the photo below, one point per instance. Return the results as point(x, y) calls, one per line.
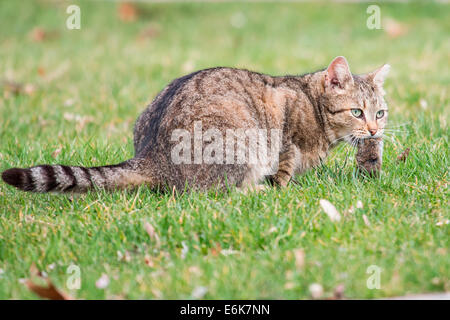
point(310, 114)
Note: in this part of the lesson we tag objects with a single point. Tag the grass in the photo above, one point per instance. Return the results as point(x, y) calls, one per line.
point(91, 84)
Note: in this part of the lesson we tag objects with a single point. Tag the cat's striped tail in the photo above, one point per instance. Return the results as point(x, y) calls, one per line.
point(61, 178)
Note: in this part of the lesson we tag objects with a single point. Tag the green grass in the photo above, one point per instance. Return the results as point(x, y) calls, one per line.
point(106, 72)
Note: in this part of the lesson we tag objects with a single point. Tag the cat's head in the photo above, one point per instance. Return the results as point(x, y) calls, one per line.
point(354, 104)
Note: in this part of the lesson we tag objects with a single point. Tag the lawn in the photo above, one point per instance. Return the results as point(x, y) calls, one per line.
point(77, 93)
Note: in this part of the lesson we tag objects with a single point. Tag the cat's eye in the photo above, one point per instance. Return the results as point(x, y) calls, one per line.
point(357, 113)
point(380, 114)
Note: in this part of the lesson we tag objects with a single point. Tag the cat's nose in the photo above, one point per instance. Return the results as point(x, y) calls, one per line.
point(372, 131)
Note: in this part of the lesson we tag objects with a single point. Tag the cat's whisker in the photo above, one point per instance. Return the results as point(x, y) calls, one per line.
point(388, 129)
point(398, 125)
point(341, 138)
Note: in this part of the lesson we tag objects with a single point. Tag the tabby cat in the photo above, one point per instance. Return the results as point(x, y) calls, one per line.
point(312, 113)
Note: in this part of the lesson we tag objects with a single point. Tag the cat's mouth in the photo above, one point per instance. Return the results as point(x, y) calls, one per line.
point(362, 135)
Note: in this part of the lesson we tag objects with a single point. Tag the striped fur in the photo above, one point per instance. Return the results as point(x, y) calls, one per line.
point(61, 178)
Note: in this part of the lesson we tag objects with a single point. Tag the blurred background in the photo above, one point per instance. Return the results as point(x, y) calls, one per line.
point(72, 96)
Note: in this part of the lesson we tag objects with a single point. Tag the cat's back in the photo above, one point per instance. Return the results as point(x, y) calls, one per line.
point(196, 96)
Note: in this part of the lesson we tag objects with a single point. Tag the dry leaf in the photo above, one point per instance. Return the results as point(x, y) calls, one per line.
point(394, 29)
point(149, 261)
point(441, 223)
point(102, 282)
point(29, 89)
point(49, 292)
point(56, 153)
point(188, 66)
point(402, 157)
point(289, 285)
point(339, 292)
point(299, 255)
point(38, 34)
point(80, 121)
point(330, 210)
point(34, 271)
point(199, 292)
point(227, 252)
point(316, 290)
point(423, 104)
point(123, 256)
point(366, 220)
point(272, 230)
point(12, 87)
point(215, 251)
point(41, 71)
point(152, 233)
point(195, 270)
point(184, 250)
point(69, 102)
point(127, 12)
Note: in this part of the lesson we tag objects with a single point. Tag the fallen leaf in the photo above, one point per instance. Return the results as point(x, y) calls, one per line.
point(272, 230)
point(299, 255)
point(394, 29)
point(441, 223)
point(50, 292)
point(330, 210)
point(152, 233)
point(127, 12)
point(123, 256)
point(38, 34)
point(289, 285)
point(12, 87)
point(366, 220)
point(102, 282)
point(338, 293)
point(69, 102)
point(423, 104)
point(188, 66)
point(184, 250)
point(149, 261)
point(316, 290)
point(402, 157)
point(199, 292)
point(195, 270)
point(56, 153)
point(34, 271)
point(80, 121)
point(216, 250)
point(41, 71)
point(227, 252)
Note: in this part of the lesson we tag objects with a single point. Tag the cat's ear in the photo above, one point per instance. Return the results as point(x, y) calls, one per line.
point(338, 76)
point(379, 75)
